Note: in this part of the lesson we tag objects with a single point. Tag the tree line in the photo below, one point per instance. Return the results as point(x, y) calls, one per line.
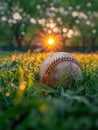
point(74, 20)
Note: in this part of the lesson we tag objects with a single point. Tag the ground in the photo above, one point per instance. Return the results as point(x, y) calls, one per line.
point(26, 103)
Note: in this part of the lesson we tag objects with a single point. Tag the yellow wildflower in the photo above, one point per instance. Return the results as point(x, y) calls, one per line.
point(43, 107)
point(22, 86)
point(46, 94)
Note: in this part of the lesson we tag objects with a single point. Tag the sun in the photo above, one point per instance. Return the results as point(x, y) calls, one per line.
point(51, 41)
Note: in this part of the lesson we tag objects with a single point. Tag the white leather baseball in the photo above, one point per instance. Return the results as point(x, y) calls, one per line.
point(58, 65)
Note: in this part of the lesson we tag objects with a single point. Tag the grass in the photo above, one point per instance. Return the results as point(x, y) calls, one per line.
point(26, 103)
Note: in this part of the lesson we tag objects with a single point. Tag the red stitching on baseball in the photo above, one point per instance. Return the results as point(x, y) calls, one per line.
point(56, 62)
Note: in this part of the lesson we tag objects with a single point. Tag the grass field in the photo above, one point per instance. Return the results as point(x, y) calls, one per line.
point(27, 104)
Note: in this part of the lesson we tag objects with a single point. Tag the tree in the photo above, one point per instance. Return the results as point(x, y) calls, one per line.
point(16, 17)
point(84, 17)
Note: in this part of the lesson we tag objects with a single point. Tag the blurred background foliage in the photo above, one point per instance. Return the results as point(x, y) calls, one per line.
point(75, 21)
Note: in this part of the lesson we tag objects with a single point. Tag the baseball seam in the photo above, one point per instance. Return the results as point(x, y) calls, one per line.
point(57, 61)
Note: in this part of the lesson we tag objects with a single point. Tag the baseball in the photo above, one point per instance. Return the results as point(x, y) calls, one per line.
point(60, 67)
